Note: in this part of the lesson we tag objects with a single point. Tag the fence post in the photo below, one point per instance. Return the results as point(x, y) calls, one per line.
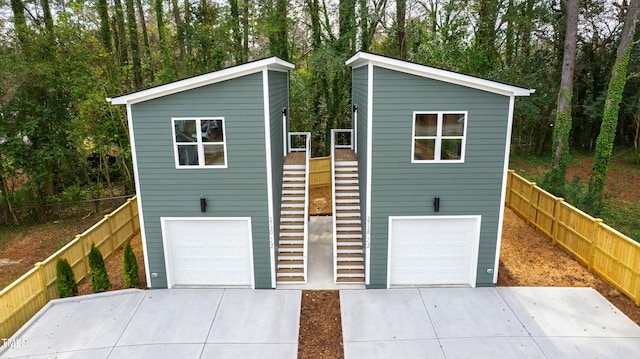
point(594, 242)
point(530, 201)
point(111, 236)
point(43, 282)
point(509, 183)
point(131, 214)
point(556, 212)
point(85, 257)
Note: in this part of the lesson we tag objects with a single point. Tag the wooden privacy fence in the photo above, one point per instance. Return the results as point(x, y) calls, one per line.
point(320, 171)
point(603, 250)
point(23, 298)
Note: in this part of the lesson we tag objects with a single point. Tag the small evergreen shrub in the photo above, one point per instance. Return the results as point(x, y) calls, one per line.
point(130, 276)
point(99, 278)
point(65, 279)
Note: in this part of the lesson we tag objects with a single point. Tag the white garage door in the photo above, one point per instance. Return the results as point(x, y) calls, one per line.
point(433, 250)
point(208, 251)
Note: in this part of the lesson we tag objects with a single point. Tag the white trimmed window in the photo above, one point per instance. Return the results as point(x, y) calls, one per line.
point(199, 142)
point(439, 136)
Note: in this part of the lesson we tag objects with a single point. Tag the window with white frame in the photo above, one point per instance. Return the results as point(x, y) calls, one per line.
point(199, 142)
point(438, 136)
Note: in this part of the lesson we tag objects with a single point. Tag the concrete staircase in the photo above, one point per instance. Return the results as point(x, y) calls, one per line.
point(291, 253)
point(350, 258)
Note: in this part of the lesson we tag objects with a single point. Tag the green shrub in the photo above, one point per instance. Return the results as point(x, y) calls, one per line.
point(130, 276)
point(65, 279)
point(99, 278)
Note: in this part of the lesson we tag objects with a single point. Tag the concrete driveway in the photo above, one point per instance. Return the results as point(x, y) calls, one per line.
point(397, 323)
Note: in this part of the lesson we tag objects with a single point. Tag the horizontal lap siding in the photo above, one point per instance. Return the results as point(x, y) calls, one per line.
point(359, 89)
point(278, 99)
point(400, 188)
point(237, 191)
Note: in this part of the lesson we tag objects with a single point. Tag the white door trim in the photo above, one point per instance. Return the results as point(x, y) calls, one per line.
point(475, 249)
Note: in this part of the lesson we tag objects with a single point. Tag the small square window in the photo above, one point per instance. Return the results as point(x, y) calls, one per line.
point(439, 137)
point(199, 142)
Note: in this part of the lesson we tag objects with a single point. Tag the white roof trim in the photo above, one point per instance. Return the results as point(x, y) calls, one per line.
point(272, 63)
point(363, 58)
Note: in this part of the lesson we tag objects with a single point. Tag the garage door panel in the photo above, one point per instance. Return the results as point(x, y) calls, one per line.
point(211, 252)
point(433, 250)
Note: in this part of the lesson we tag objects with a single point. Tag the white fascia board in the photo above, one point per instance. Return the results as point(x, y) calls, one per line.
point(272, 63)
point(363, 58)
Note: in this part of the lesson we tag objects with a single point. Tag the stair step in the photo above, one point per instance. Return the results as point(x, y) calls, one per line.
point(290, 263)
point(291, 256)
point(350, 279)
point(290, 270)
point(350, 256)
point(348, 263)
point(351, 271)
point(290, 245)
point(293, 279)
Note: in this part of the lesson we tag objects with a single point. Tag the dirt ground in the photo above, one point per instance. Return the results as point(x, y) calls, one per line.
point(114, 268)
point(28, 245)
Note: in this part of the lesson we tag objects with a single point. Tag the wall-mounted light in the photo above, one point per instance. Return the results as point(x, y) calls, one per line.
point(355, 108)
point(284, 111)
point(203, 204)
point(436, 204)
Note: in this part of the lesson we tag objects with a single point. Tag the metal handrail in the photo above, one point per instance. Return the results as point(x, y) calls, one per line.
point(334, 137)
point(290, 147)
point(333, 208)
point(305, 246)
point(334, 146)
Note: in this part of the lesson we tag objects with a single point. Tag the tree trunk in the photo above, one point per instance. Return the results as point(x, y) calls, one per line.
point(186, 24)
point(485, 36)
point(105, 29)
point(316, 28)
point(401, 9)
point(245, 28)
point(235, 28)
point(604, 143)
point(365, 39)
point(48, 22)
point(19, 21)
point(180, 35)
point(145, 38)
point(121, 38)
point(556, 176)
point(134, 44)
point(277, 29)
point(5, 194)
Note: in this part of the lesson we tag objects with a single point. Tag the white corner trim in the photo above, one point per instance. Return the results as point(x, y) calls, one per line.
point(503, 190)
point(369, 149)
point(272, 63)
point(267, 147)
point(136, 177)
point(362, 58)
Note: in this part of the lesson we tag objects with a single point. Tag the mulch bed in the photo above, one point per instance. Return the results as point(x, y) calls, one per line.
point(320, 335)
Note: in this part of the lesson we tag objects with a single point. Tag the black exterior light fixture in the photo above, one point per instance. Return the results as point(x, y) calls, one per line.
point(355, 108)
point(203, 204)
point(284, 111)
point(436, 204)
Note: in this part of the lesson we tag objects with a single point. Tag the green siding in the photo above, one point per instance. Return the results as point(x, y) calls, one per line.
point(237, 191)
point(400, 188)
point(359, 94)
point(278, 99)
